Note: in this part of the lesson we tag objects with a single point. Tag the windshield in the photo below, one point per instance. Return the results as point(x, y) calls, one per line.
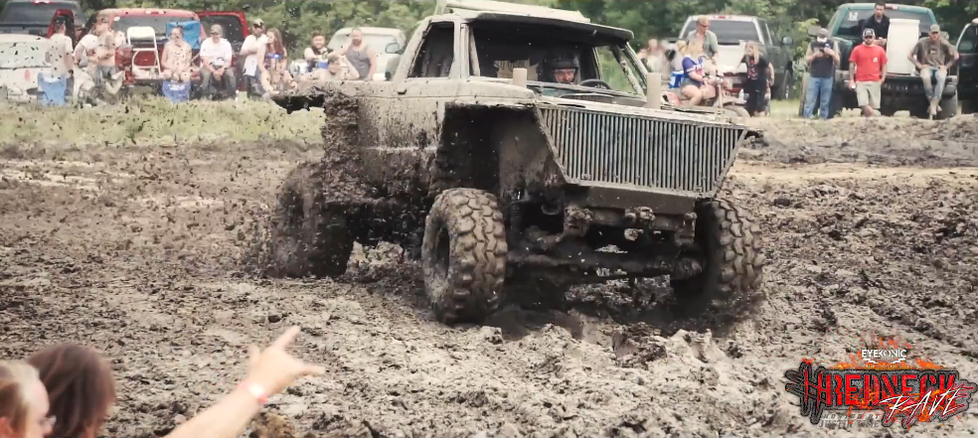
point(157, 22)
point(377, 42)
point(544, 53)
point(849, 28)
point(35, 13)
point(23, 55)
point(728, 31)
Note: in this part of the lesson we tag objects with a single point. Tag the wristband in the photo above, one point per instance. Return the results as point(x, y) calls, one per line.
point(256, 391)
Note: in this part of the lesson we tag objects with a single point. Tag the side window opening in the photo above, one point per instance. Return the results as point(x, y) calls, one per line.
point(437, 53)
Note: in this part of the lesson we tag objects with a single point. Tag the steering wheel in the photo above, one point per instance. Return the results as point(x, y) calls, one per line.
point(588, 82)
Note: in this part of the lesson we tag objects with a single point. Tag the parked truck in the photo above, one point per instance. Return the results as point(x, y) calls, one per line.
point(967, 68)
point(903, 89)
point(733, 32)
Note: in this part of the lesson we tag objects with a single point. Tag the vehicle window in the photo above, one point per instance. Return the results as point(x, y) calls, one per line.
point(612, 72)
point(437, 53)
point(231, 24)
point(23, 55)
point(503, 48)
point(374, 41)
point(849, 27)
point(157, 22)
point(36, 13)
point(728, 31)
point(765, 32)
point(969, 40)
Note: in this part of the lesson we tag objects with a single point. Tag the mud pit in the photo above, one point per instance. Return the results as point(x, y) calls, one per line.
point(134, 252)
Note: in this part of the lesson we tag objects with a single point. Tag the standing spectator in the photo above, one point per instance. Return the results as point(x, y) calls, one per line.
point(85, 60)
point(216, 55)
point(253, 49)
point(361, 57)
point(59, 54)
point(177, 57)
point(933, 55)
point(879, 22)
point(316, 53)
point(80, 387)
point(760, 76)
point(823, 58)
point(653, 54)
point(868, 66)
point(23, 402)
point(706, 38)
point(107, 76)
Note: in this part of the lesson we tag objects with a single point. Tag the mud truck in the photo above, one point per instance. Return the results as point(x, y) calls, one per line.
point(501, 179)
point(902, 90)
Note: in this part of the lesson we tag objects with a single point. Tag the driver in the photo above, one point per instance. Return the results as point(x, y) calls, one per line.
point(564, 70)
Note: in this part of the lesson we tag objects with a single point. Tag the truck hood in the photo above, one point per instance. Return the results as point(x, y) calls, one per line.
point(729, 58)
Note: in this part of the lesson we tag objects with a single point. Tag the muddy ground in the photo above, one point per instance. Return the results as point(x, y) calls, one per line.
point(135, 251)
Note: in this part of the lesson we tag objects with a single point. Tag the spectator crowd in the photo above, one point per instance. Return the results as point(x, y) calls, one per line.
point(66, 391)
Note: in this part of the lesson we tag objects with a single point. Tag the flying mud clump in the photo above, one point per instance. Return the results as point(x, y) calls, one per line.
point(299, 216)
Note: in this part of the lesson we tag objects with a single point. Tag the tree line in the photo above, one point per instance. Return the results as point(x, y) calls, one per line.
point(298, 19)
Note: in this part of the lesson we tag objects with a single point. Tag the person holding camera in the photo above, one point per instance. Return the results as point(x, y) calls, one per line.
point(823, 58)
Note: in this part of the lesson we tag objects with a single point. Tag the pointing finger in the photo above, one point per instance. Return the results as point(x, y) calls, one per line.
point(286, 338)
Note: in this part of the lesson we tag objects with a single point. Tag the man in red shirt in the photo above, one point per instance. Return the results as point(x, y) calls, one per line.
point(867, 63)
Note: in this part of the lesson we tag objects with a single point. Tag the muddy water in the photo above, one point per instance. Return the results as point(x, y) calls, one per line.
point(136, 254)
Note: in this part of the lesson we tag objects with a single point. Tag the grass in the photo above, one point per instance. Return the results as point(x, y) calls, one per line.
point(157, 120)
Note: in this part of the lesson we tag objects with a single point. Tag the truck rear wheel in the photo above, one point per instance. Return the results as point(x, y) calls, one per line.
point(464, 255)
point(308, 236)
point(728, 243)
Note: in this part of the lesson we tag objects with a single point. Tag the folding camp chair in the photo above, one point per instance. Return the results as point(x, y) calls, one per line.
point(144, 35)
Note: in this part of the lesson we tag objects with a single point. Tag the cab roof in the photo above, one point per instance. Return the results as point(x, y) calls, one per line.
point(531, 19)
point(371, 30)
point(889, 7)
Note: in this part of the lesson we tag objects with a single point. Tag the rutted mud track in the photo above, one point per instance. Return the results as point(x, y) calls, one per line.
point(134, 252)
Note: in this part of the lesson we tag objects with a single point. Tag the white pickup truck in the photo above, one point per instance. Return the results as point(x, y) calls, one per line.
point(733, 32)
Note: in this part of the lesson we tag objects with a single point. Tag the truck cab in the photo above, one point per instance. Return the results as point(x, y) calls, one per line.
point(967, 67)
point(903, 89)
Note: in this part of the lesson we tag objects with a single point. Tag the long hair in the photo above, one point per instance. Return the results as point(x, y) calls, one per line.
point(80, 386)
point(16, 377)
point(754, 50)
point(278, 46)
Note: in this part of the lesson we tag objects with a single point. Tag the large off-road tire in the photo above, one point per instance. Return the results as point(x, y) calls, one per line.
point(309, 237)
point(729, 246)
point(949, 107)
point(969, 106)
point(464, 255)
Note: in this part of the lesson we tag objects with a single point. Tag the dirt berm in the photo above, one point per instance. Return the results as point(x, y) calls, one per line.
point(136, 253)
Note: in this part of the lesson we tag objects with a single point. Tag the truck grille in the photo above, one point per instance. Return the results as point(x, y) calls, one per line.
point(678, 156)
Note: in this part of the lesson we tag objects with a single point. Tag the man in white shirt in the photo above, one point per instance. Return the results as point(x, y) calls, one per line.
point(59, 52)
point(216, 54)
point(253, 49)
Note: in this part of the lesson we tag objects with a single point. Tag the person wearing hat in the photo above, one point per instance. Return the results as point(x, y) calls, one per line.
point(933, 55)
point(867, 67)
point(216, 54)
point(253, 49)
point(823, 58)
point(879, 22)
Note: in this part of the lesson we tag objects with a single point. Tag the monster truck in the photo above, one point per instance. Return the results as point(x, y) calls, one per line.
point(902, 90)
point(499, 176)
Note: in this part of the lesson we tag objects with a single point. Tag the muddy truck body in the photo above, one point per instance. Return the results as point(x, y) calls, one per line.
point(497, 177)
point(902, 89)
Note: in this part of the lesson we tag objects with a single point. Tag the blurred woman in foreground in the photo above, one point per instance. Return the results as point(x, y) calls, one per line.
point(23, 402)
point(82, 390)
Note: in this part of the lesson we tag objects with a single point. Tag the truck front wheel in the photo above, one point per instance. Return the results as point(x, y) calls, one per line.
point(728, 244)
point(464, 255)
